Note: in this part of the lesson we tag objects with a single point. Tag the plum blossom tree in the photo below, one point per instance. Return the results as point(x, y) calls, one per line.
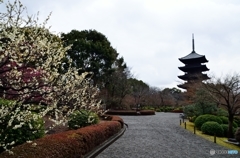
point(30, 59)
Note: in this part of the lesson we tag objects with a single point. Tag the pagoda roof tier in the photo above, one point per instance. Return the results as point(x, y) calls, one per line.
point(189, 68)
point(193, 57)
point(186, 85)
point(183, 86)
point(187, 77)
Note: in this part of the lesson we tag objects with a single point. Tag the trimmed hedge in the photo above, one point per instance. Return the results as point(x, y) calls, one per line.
point(200, 120)
point(225, 121)
point(237, 120)
point(130, 112)
point(225, 129)
point(212, 128)
point(177, 111)
point(73, 143)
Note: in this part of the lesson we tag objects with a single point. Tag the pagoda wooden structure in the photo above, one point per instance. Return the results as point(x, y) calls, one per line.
point(194, 66)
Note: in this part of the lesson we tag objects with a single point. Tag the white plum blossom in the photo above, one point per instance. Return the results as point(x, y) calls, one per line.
point(30, 60)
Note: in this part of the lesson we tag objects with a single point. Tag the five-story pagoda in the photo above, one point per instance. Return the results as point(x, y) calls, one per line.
point(193, 69)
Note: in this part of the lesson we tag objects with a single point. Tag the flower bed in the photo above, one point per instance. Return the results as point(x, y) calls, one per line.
point(73, 143)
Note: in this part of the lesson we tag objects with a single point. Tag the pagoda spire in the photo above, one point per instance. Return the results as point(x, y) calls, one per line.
point(193, 43)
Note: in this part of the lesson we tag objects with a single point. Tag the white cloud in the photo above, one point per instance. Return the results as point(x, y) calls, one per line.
point(152, 34)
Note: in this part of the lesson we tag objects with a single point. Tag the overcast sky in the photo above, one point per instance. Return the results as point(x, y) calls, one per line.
point(152, 34)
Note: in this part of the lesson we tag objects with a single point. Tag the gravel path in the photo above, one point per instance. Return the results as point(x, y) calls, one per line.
point(159, 136)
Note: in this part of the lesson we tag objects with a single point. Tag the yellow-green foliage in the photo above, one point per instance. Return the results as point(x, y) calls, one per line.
point(219, 140)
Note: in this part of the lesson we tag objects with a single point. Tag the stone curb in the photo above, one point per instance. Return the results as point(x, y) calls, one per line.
point(105, 144)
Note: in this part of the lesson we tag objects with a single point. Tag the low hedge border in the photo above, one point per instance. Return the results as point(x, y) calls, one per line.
point(73, 143)
point(105, 144)
point(131, 112)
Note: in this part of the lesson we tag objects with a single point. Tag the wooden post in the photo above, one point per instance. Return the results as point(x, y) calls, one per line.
point(194, 129)
point(180, 122)
point(214, 138)
point(185, 124)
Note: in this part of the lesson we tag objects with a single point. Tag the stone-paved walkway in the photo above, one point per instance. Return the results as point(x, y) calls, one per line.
point(159, 136)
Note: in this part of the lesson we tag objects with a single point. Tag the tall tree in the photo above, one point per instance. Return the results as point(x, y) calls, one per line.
point(226, 92)
point(139, 90)
point(118, 87)
point(91, 52)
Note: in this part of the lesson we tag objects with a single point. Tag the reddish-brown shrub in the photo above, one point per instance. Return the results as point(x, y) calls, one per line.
point(119, 119)
point(147, 112)
point(177, 111)
point(74, 143)
point(131, 112)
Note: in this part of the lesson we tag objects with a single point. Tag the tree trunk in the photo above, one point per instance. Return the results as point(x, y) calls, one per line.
point(230, 126)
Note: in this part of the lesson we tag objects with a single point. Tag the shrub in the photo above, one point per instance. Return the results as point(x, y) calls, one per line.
point(200, 120)
point(221, 112)
point(147, 108)
point(212, 128)
point(130, 112)
point(192, 119)
point(189, 110)
point(177, 111)
point(225, 121)
point(237, 134)
point(28, 127)
point(72, 143)
point(234, 130)
point(199, 109)
point(169, 108)
point(158, 110)
point(237, 120)
point(225, 129)
point(147, 112)
point(82, 118)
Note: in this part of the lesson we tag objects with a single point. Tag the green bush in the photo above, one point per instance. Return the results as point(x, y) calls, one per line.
point(189, 110)
point(147, 108)
point(221, 112)
point(237, 120)
point(234, 130)
point(166, 109)
point(225, 121)
point(169, 108)
point(29, 128)
point(225, 129)
point(158, 110)
point(192, 119)
point(199, 109)
point(82, 118)
point(212, 128)
point(200, 120)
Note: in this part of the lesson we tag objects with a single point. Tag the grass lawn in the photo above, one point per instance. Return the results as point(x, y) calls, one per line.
point(219, 140)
